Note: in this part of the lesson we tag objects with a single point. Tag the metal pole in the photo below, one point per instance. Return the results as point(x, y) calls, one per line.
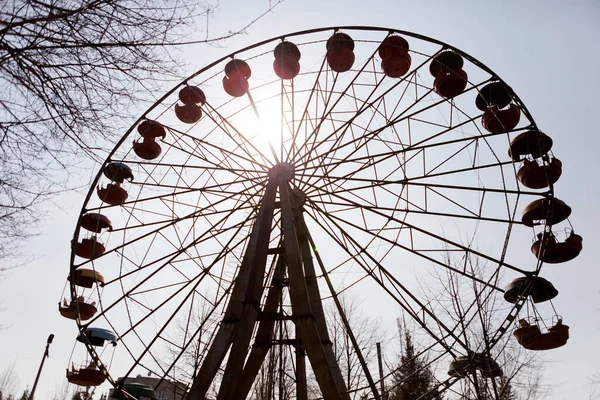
point(301, 390)
point(46, 354)
point(379, 361)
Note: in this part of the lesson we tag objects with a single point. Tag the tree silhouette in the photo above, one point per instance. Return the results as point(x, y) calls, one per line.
point(8, 382)
point(487, 392)
point(477, 308)
point(69, 73)
point(25, 395)
point(413, 379)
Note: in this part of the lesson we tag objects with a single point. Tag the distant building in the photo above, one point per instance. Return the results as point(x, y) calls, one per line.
point(166, 390)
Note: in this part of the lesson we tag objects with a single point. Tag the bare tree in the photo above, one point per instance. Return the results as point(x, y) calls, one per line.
point(189, 340)
point(69, 73)
point(8, 381)
point(367, 332)
point(63, 392)
point(264, 386)
point(275, 378)
point(474, 307)
point(594, 383)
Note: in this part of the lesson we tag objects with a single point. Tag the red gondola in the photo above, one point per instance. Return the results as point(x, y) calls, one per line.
point(395, 60)
point(450, 79)
point(150, 131)
point(287, 57)
point(340, 52)
point(446, 61)
point(147, 149)
point(95, 222)
point(493, 94)
point(340, 61)
point(286, 67)
point(557, 252)
point(536, 176)
point(89, 248)
point(450, 84)
point(235, 81)
point(188, 113)
point(237, 67)
point(533, 143)
point(396, 66)
point(287, 49)
point(552, 211)
point(531, 337)
point(192, 98)
point(236, 86)
point(69, 310)
point(86, 376)
point(112, 194)
point(393, 46)
point(340, 41)
point(192, 95)
point(495, 120)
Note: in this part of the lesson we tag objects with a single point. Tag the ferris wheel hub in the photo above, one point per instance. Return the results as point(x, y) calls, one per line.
point(298, 197)
point(283, 171)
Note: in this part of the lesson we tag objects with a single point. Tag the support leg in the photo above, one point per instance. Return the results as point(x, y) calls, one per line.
point(255, 256)
point(328, 374)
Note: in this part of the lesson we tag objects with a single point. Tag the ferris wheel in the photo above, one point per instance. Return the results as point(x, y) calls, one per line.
point(228, 224)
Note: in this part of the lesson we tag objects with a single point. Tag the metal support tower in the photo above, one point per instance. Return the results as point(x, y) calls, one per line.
point(245, 314)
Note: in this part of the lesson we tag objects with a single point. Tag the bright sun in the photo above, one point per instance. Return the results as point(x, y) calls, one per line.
point(263, 128)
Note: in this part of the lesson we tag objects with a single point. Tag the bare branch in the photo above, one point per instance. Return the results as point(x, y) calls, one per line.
point(69, 73)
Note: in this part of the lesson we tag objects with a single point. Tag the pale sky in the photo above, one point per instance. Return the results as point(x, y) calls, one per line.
point(547, 51)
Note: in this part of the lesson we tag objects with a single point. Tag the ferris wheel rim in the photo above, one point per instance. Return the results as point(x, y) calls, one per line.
point(261, 43)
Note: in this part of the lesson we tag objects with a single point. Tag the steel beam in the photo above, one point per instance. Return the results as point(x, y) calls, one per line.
point(255, 256)
point(301, 390)
point(327, 373)
point(312, 288)
point(264, 335)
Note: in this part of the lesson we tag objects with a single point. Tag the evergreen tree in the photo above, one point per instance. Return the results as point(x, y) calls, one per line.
point(414, 377)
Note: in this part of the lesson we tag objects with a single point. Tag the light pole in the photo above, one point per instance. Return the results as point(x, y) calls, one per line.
point(48, 342)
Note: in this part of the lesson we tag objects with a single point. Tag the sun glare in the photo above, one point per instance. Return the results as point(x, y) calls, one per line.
point(263, 128)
